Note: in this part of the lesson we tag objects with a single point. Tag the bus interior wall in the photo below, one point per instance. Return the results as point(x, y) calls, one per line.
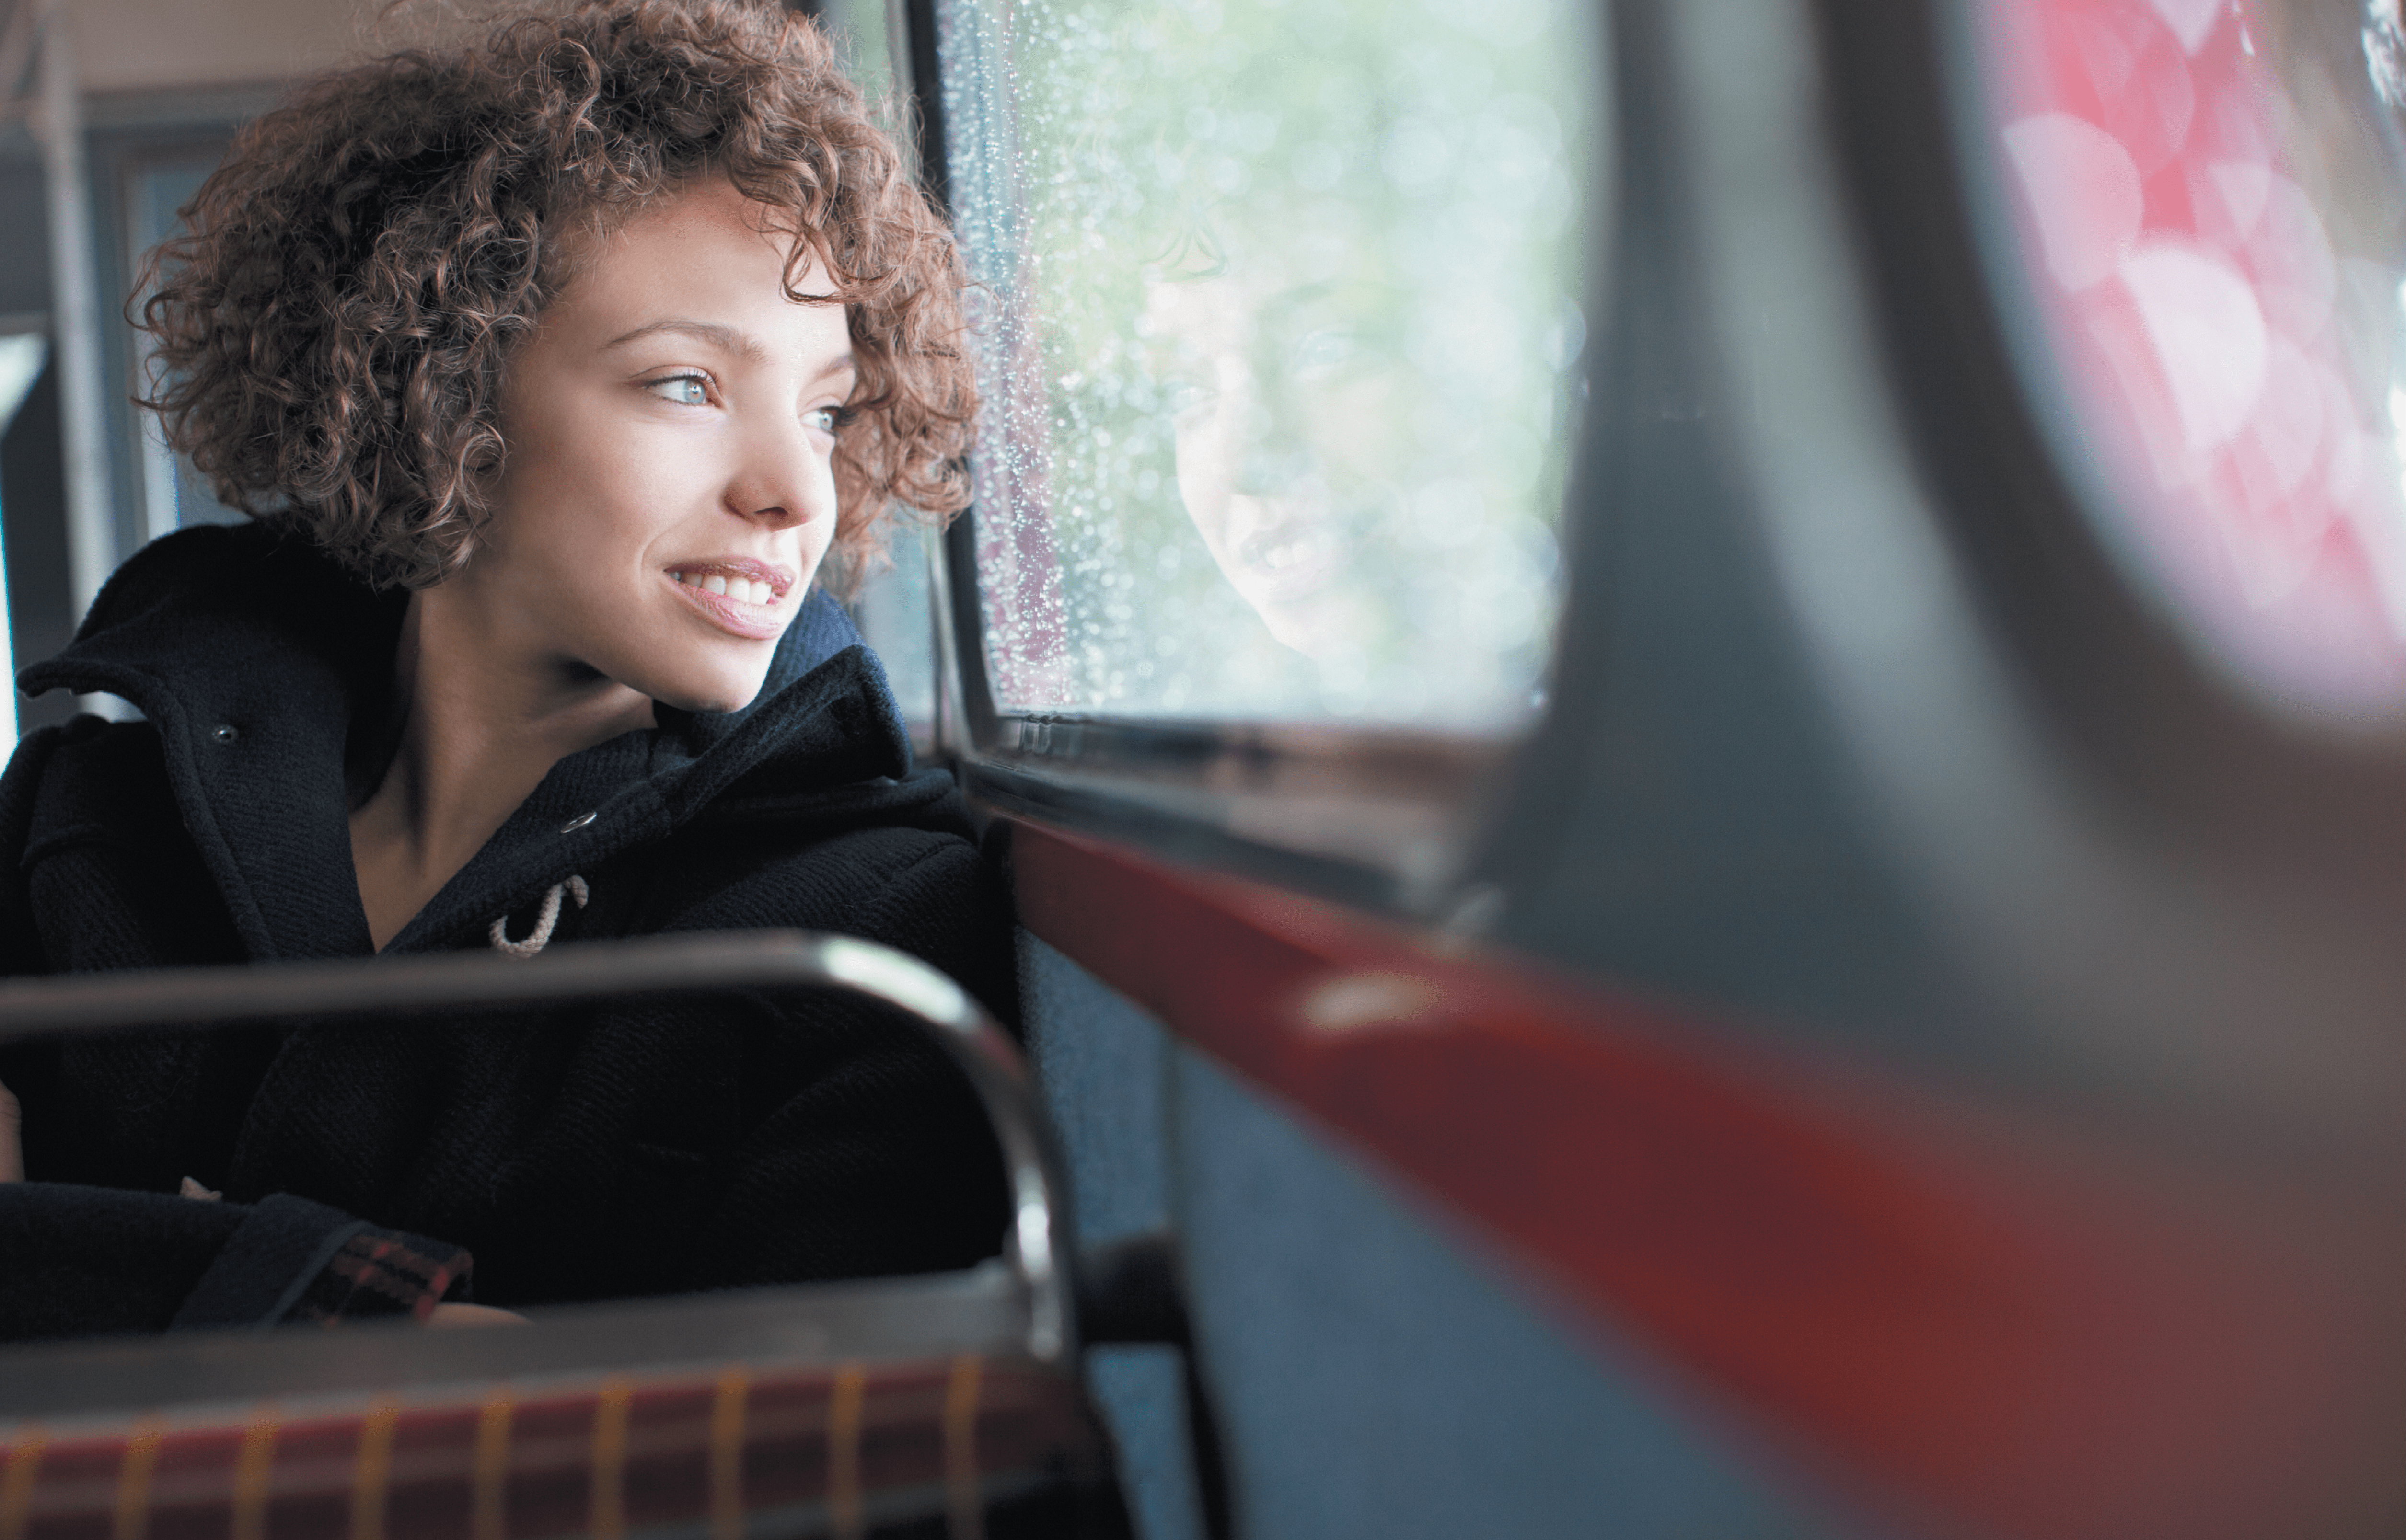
point(1677, 877)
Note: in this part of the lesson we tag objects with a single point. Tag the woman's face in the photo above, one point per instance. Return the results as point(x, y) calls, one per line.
point(1283, 451)
point(667, 495)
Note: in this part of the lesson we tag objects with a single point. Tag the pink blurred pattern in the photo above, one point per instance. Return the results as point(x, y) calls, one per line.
point(2189, 285)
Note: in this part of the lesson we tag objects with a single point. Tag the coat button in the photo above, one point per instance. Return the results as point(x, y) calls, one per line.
point(578, 822)
point(226, 734)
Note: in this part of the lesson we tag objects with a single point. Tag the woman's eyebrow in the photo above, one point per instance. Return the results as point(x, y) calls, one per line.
point(726, 339)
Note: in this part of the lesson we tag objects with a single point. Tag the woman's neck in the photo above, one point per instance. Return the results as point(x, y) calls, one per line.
point(488, 716)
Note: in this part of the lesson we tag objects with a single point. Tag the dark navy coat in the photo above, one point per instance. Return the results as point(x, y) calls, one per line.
point(635, 1149)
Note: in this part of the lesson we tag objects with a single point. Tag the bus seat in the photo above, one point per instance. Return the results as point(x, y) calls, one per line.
point(943, 1404)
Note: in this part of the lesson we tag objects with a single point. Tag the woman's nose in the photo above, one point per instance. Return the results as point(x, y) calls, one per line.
point(1272, 452)
point(786, 475)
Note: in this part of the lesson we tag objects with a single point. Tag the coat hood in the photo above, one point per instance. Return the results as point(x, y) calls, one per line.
point(260, 662)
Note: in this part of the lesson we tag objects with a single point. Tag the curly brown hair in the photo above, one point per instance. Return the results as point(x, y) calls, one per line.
point(333, 328)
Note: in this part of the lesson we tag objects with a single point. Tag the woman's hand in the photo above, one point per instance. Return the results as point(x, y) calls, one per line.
point(13, 1168)
point(12, 1144)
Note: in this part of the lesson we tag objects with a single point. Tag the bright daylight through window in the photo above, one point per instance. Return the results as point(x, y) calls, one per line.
point(1280, 344)
point(2209, 195)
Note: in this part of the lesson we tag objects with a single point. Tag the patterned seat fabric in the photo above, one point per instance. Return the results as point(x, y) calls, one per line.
point(966, 1447)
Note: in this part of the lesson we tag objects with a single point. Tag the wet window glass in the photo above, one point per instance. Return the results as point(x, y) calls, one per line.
point(2209, 196)
point(1280, 346)
point(891, 606)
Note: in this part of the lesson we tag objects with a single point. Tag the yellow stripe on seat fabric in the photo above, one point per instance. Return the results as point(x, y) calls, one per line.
point(17, 1481)
point(253, 1469)
point(372, 1468)
point(726, 1455)
point(490, 1474)
point(843, 1453)
point(964, 1507)
point(610, 1413)
point(133, 1479)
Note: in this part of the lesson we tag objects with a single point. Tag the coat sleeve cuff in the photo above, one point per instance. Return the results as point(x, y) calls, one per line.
point(293, 1260)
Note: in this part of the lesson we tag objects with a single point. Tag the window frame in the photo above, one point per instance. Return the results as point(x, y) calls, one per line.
point(1234, 793)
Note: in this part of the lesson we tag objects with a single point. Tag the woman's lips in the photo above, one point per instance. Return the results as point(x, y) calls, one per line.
point(723, 574)
point(1291, 557)
point(753, 620)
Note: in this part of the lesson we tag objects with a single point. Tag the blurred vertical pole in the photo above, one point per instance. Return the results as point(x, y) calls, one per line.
point(16, 50)
point(75, 317)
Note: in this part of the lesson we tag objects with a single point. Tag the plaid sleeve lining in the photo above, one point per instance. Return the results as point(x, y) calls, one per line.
point(383, 1273)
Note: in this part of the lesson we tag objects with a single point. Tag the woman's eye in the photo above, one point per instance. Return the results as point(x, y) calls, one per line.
point(825, 419)
point(1187, 398)
point(684, 389)
point(1325, 352)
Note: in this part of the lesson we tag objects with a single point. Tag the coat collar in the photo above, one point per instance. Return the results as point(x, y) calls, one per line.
point(252, 655)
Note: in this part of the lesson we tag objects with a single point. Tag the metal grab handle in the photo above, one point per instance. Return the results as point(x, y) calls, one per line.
point(708, 961)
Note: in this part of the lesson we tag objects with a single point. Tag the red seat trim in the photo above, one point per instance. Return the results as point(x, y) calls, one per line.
point(1970, 1312)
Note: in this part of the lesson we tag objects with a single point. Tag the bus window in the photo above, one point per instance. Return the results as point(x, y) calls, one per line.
point(1279, 350)
point(2208, 200)
point(891, 603)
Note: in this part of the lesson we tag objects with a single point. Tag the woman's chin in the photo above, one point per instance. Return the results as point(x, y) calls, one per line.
point(712, 696)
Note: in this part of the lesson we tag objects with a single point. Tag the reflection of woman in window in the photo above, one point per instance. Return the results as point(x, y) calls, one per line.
point(558, 375)
point(1284, 419)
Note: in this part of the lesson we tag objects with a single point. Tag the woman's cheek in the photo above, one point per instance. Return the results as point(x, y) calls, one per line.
point(1204, 474)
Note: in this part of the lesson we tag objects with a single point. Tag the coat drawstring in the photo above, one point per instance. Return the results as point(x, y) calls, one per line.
point(545, 923)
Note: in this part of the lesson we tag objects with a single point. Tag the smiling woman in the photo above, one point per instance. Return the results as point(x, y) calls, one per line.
point(671, 428)
point(664, 504)
point(561, 375)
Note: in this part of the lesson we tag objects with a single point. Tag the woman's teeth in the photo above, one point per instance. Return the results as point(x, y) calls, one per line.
point(743, 591)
